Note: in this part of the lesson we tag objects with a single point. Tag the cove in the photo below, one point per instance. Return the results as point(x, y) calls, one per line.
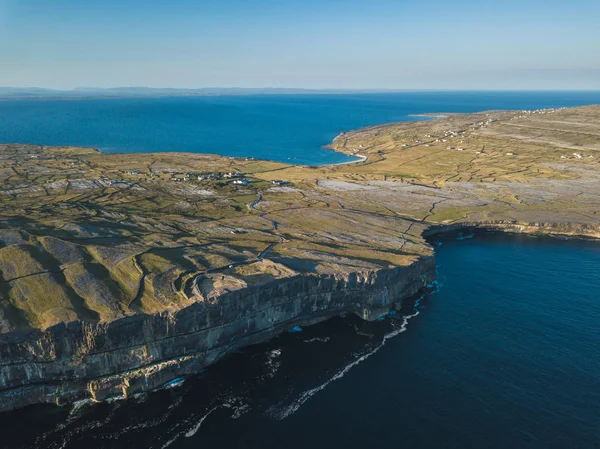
point(503, 354)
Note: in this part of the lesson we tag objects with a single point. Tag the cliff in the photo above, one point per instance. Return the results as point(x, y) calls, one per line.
point(567, 230)
point(77, 360)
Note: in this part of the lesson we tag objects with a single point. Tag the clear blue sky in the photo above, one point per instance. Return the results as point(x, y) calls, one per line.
point(398, 44)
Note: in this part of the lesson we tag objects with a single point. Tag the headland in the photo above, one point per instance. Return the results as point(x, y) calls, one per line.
point(123, 273)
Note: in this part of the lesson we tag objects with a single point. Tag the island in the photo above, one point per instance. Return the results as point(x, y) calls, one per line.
point(125, 273)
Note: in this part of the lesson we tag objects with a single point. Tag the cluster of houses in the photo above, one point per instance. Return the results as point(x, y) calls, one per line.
point(180, 177)
point(575, 156)
point(205, 176)
point(451, 133)
point(525, 113)
point(482, 150)
point(236, 177)
point(275, 182)
point(483, 124)
point(215, 176)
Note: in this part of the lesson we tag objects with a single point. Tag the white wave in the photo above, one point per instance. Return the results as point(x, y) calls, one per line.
point(317, 339)
point(239, 411)
point(434, 287)
point(168, 443)
point(193, 431)
point(287, 411)
point(234, 403)
point(272, 363)
point(115, 399)
point(77, 406)
point(140, 397)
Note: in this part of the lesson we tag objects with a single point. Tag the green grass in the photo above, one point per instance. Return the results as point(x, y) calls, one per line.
point(74, 221)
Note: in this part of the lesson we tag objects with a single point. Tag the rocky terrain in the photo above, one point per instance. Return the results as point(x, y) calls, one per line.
point(121, 273)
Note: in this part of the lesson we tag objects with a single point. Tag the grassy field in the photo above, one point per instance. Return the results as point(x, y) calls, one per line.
point(93, 236)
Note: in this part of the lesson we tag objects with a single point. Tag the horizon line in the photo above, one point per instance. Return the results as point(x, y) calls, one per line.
point(371, 89)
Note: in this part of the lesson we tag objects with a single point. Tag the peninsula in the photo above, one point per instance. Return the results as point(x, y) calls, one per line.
point(123, 273)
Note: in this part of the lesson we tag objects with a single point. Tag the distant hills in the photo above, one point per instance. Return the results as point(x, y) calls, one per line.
point(139, 92)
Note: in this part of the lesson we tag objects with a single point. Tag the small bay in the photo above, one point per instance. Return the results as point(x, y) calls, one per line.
point(284, 128)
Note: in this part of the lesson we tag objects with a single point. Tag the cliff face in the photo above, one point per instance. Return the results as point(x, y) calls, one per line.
point(77, 360)
point(574, 230)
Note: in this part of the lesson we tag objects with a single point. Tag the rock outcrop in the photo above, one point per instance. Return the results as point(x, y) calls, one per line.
point(78, 360)
point(567, 230)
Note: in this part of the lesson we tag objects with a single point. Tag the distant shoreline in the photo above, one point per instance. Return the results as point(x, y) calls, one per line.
point(13, 94)
point(432, 116)
point(23, 94)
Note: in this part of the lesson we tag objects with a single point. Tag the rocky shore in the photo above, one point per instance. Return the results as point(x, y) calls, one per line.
point(82, 361)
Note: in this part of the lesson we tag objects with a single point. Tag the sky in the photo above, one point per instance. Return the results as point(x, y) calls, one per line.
point(350, 44)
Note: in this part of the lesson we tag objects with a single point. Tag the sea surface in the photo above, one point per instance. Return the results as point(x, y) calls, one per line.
point(285, 128)
point(503, 353)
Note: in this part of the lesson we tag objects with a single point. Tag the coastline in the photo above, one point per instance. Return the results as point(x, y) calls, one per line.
point(359, 157)
point(205, 317)
point(562, 231)
point(162, 334)
point(143, 353)
point(432, 116)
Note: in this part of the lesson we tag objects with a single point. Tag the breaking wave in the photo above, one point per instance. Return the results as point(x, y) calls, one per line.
point(281, 412)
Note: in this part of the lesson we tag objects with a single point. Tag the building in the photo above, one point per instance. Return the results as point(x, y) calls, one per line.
point(278, 182)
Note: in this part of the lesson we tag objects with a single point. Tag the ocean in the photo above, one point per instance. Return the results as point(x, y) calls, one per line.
point(285, 128)
point(503, 353)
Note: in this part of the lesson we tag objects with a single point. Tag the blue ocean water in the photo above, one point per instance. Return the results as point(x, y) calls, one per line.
point(285, 128)
point(505, 354)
